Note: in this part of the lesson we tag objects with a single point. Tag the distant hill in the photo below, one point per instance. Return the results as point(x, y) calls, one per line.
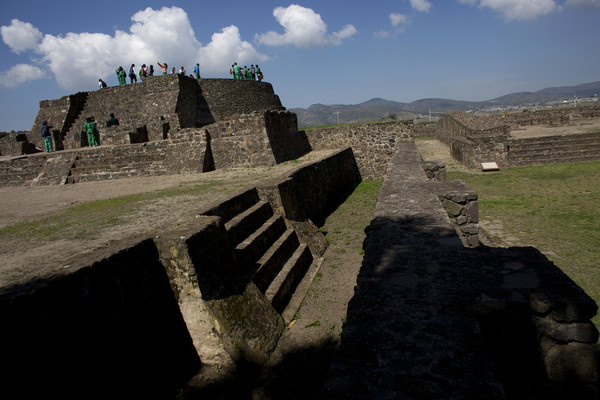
point(377, 108)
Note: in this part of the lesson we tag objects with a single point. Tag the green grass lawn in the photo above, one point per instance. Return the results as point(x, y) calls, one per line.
point(555, 208)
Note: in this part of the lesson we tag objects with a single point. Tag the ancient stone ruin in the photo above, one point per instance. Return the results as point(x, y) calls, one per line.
point(436, 314)
point(474, 140)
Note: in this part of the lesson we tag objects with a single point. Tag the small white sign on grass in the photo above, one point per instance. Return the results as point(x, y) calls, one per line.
point(489, 166)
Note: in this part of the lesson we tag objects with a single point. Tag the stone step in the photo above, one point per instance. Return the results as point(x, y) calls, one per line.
point(120, 157)
point(553, 139)
point(283, 286)
point(254, 246)
point(243, 224)
point(581, 144)
point(554, 153)
point(105, 175)
point(112, 168)
point(553, 160)
point(271, 263)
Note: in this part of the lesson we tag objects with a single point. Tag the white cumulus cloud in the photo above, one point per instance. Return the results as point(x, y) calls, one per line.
point(77, 60)
point(399, 19)
point(516, 9)
point(20, 73)
point(227, 47)
point(420, 5)
point(303, 28)
point(20, 36)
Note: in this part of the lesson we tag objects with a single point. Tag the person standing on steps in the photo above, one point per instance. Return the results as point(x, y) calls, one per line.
point(47, 136)
point(197, 70)
point(96, 131)
point(89, 128)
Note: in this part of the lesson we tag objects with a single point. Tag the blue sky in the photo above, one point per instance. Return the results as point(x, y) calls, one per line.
point(330, 52)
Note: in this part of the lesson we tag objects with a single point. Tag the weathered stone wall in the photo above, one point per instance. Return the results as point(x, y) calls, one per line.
point(458, 123)
point(472, 139)
point(16, 144)
point(16, 171)
point(109, 322)
point(260, 138)
point(163, 157)
point(308, 194)
point(286, 142)
point(373, 144)
point(61, 114)
point(228, 97)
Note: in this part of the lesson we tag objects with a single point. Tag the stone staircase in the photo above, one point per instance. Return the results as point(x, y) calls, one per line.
point(117, 162)
point(554, 149)
point(268, 252)
point(19, 170)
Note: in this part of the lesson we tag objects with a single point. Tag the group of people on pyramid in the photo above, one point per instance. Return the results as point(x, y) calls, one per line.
point(147, 71)
point(251, 74)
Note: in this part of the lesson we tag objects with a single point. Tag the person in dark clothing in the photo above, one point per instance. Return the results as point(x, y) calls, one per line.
point(112, 121)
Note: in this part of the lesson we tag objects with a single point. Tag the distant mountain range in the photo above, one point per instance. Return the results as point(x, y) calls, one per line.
point(376, 109)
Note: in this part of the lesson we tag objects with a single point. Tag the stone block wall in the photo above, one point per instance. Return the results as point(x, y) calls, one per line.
point(311, 191)
point(109, 322)
point(17, 144)
point(61, 114)
point(373, 144)
point(228, 97)
point(260, 138)
point(473, 140)
point(23, 169)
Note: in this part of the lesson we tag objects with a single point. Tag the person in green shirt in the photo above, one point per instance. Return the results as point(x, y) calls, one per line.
point(259, 74)
point(236, 72)
point(112, 121)
point(90, 128)
point(121, 75)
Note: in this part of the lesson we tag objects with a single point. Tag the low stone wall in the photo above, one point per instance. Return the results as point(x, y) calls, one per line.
point(16, 144)
point(110, 322)
point(18, 170)
point(373, 144)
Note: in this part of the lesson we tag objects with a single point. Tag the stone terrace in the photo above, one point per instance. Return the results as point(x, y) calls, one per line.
point(467, 323)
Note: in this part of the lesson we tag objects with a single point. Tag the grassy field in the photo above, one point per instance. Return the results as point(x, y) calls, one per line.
point(554, 208)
